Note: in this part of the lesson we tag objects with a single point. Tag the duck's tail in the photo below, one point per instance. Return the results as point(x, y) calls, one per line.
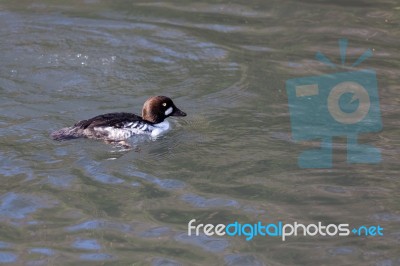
point(67, 133)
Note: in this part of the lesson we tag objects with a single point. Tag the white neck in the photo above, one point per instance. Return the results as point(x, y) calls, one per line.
point(160, 128)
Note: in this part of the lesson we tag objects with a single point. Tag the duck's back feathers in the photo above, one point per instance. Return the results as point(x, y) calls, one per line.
point(116, 120)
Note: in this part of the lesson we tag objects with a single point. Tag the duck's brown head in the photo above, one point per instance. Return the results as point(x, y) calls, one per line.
point(157, 108)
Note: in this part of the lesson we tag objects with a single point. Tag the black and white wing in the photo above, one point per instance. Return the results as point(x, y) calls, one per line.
point(115, 120)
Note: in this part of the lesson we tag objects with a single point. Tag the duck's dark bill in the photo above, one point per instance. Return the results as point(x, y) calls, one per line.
point(178, 112)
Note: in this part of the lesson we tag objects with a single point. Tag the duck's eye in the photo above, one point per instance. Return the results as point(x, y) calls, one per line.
point(164, 104)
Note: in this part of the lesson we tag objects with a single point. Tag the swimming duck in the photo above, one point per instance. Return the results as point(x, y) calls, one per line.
point(115, 127)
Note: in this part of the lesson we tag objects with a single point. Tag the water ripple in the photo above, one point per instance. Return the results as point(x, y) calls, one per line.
point(156, 232)
point(100, 224)
point(202, 202)
point(164, 262)
point(88, 244)
point(342, 251)
point(163, 183)
point(19, 206)
point(219, 9)
point(96, 257)
point(7, 257)
point(211, 244)
point(97, 174)
point(5, 245)
point(64, 181)
point(44, 251)
point(386, 217)
point(242, 260)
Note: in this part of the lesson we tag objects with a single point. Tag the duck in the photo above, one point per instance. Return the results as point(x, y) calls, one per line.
point(117, 127)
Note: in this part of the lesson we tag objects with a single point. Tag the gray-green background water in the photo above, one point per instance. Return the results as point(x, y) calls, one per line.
point(232, 158)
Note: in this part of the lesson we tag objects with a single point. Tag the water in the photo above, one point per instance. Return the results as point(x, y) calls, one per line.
point(231, 158)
